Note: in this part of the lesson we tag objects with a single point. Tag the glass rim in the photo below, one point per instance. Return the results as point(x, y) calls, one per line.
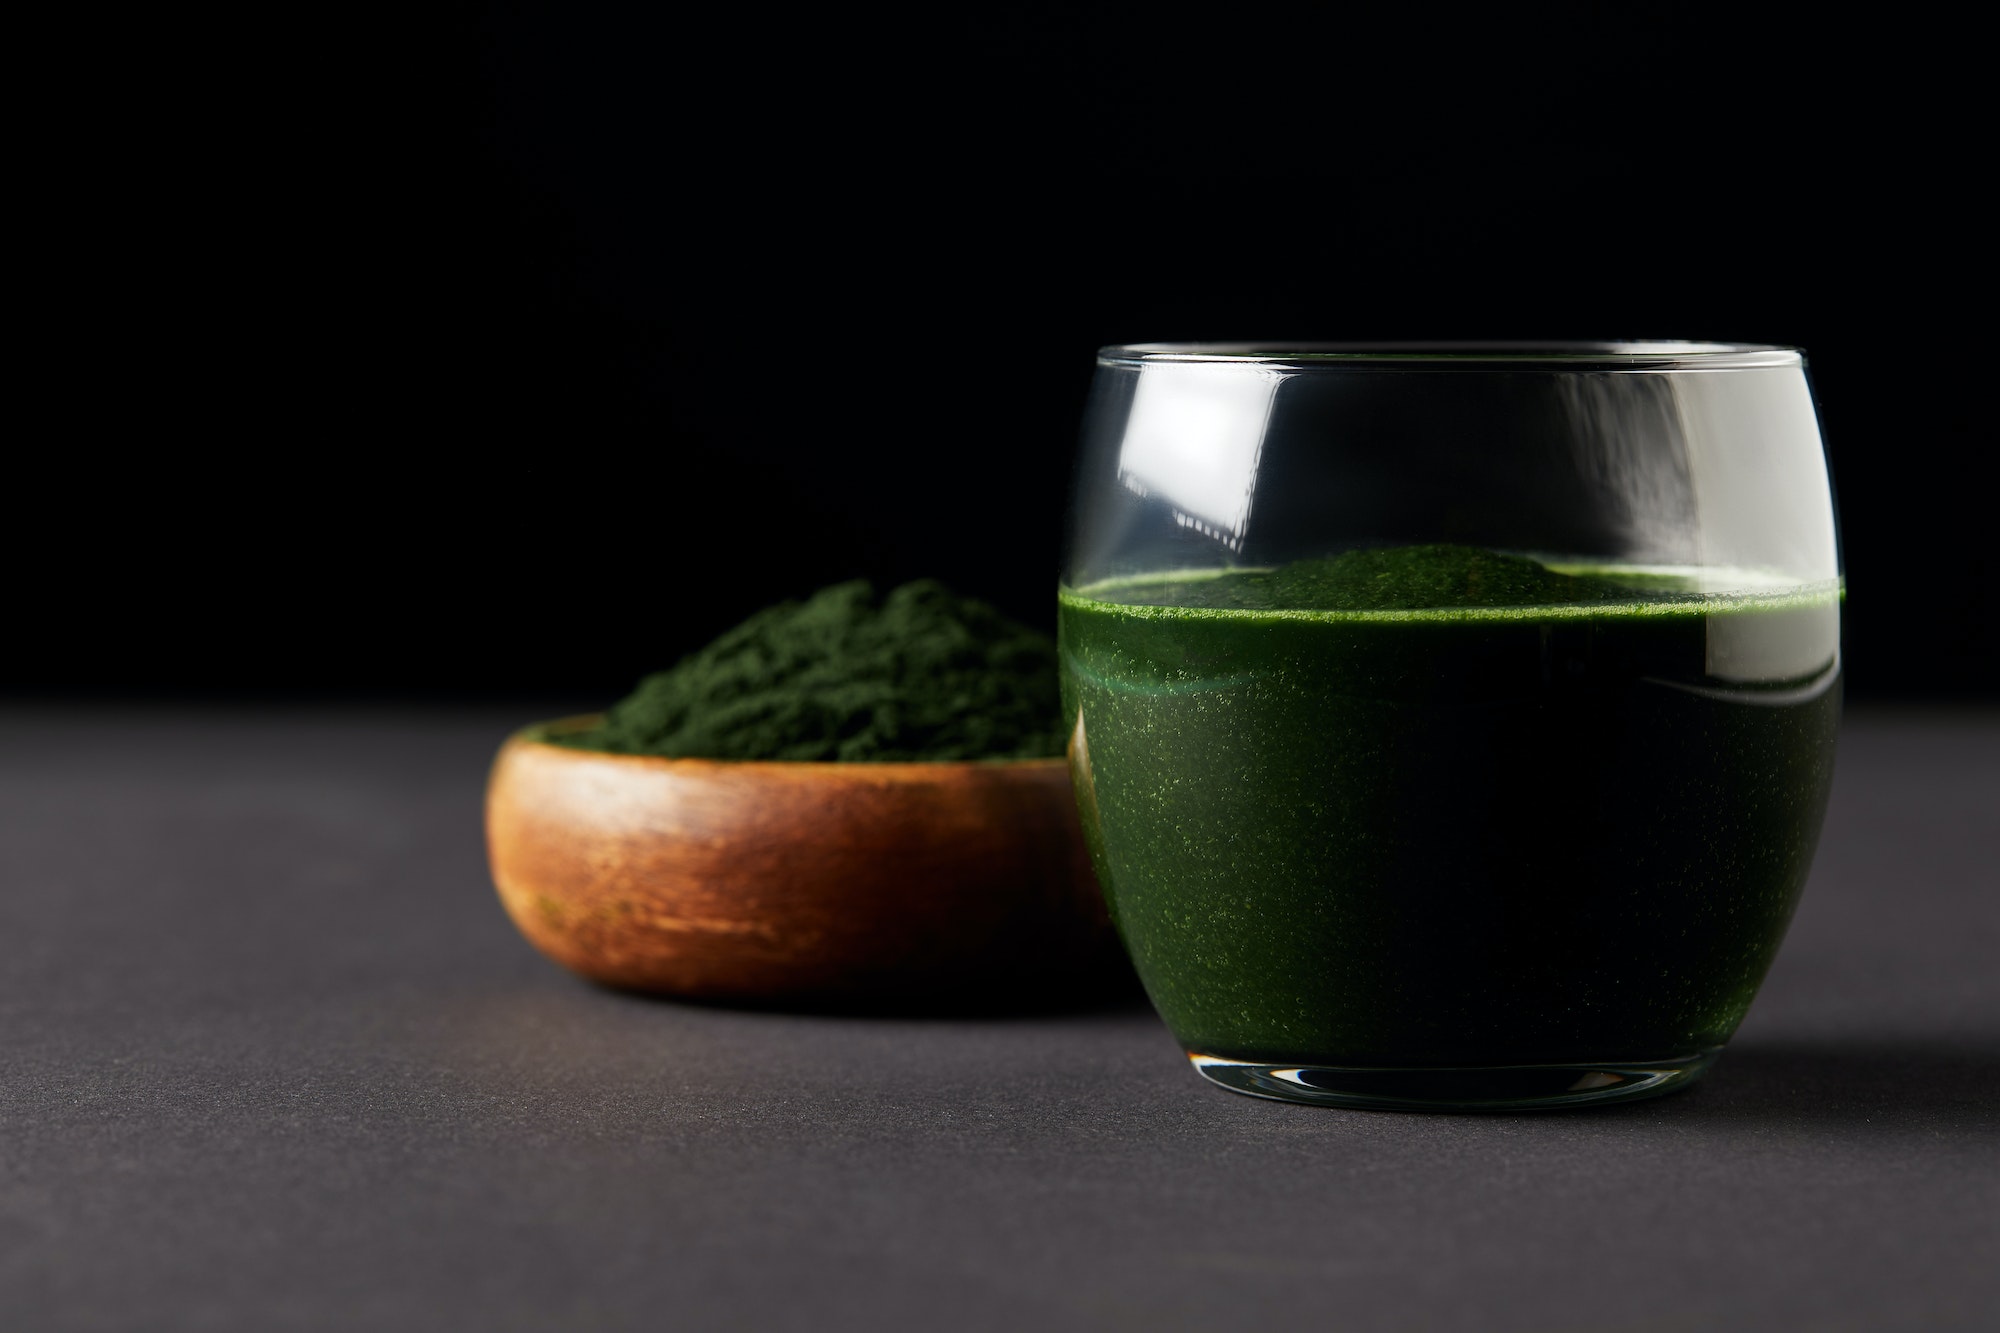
point(1548, 355)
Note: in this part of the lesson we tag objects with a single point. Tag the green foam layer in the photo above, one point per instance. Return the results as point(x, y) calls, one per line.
point(1443, 584)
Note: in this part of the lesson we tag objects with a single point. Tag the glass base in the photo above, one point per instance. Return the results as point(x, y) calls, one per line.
point(1498, 1088)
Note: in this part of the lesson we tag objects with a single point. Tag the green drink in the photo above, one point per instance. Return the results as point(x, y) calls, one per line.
point(1392, 806)
point(1436, 809)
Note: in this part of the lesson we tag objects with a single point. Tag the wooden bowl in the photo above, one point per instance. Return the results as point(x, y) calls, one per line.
point(805, 884)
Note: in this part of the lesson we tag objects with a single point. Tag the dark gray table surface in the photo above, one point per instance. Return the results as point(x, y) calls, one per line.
point(272, 1058)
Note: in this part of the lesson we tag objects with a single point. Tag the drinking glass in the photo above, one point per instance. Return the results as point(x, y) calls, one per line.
point(1451, 724)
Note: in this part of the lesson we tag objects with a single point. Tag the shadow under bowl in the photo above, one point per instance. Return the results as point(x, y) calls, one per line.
point(812, 885)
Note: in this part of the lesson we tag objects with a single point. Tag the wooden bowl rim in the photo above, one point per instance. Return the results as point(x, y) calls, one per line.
point(535, 734)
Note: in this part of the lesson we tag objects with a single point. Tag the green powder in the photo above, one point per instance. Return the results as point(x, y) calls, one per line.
point(919, 674)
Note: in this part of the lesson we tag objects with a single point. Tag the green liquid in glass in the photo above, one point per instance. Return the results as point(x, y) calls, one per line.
point(1436, 806)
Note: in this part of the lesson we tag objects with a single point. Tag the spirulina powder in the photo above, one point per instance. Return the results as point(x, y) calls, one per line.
point(851, 674)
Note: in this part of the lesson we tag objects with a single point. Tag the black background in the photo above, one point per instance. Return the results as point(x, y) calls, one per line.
point(518, 350)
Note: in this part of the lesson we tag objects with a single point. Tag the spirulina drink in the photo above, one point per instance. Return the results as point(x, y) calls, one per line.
point(1436, 807)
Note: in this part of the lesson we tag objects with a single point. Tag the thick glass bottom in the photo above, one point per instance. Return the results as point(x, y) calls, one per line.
point(1498, 1088)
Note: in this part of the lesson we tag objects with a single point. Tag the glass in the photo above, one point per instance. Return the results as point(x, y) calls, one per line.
point(1452, 725)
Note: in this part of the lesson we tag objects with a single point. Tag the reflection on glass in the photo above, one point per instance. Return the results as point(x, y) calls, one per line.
point(1192, 441)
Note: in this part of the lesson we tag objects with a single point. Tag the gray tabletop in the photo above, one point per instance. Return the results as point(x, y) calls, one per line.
point(272, 1058)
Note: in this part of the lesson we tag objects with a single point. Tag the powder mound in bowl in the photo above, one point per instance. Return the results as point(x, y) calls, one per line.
point(851, 674)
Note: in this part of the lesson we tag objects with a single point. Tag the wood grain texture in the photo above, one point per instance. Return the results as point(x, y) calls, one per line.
point(800, 883)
